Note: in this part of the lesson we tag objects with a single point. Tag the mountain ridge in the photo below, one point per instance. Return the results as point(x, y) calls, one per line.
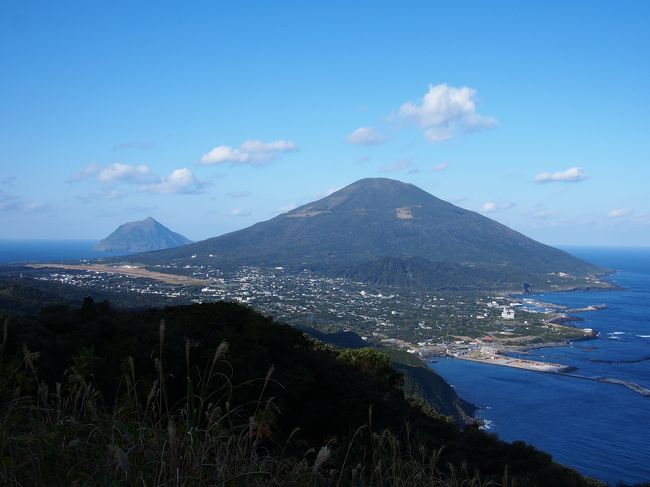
point(374, 224)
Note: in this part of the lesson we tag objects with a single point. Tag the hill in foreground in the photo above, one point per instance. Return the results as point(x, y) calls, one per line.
point(141, 236)
point(217, 394)
point(384, 231)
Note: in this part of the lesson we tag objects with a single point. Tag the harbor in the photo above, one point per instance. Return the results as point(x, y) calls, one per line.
point(518, 363)
point(494, 358)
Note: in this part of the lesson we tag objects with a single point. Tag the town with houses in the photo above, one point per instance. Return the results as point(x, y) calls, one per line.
point(466, 325)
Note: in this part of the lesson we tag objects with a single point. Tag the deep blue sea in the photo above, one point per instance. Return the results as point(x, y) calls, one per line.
point(14, 251)
point(600, 429)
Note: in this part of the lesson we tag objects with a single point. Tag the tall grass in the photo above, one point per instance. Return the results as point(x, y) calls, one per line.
point(71, 435)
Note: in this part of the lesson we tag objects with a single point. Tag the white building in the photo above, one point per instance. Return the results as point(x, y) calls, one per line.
point(507, 313)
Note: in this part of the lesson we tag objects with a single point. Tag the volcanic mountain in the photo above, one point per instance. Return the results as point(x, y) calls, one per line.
point(141, 236)
point(384, 231)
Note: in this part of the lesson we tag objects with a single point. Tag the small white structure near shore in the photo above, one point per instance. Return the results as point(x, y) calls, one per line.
point(508, 313)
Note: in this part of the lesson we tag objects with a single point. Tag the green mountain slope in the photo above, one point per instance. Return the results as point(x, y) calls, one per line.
point(419, 380)
point(217, 394)
point(387, 232)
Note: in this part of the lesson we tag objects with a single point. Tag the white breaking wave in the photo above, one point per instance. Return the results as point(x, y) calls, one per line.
point(487, 424)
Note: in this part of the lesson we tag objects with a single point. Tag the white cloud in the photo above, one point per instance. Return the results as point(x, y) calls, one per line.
point(145, 181)
point(619, 213)
point(252, 152)
point(107, 193)
point(365, 136)
point(571, 175)
point(438, 134)
point(125, 173)
point(113, 193)
point(445, 112)
point(440, 167)
point(12, 203)
point(36, 206)
point(114, 173)
point(88, 172)
point(489, 207)
point(400, 165)
point(239, 212)
point(179, 181)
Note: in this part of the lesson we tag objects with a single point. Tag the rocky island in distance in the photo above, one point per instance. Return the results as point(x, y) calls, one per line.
point(141, 236)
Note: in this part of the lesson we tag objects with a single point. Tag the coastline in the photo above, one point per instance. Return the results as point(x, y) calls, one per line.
point(518, 363)
point(538, 346)
point(553, 368)
point(580, 289)
point(499, 355)
point(581, 416)
point(604, 277)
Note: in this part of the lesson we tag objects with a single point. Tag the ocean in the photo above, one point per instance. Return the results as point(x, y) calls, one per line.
point(15, 251)
point(600, 429)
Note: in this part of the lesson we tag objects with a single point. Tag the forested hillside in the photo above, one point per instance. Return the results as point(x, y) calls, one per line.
point(216, 394)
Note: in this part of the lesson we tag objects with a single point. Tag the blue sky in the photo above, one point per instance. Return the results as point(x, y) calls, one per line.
point(213, 116)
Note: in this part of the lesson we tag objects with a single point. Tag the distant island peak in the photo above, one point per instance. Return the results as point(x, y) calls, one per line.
point(141, 236)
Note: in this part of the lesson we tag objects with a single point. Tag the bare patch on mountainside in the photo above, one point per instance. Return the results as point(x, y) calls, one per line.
point(306, 213)
point(404, 213)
